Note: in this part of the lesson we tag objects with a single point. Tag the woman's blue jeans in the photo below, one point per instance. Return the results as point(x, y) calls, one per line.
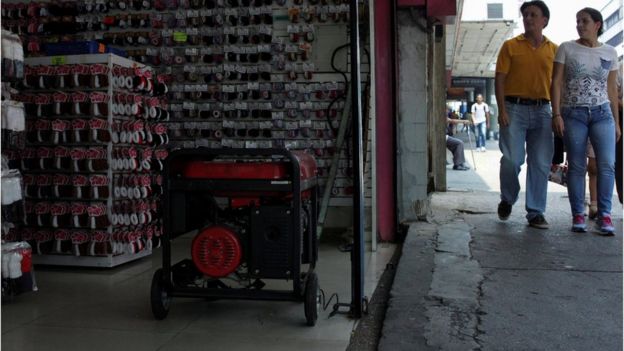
point(529, 125)
point(480, 134)
point(597, 124)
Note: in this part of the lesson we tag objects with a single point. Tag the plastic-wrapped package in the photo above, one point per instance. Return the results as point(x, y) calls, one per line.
point(13, 116)
point(12, 56)
point(17, 269)
point(12, 194)
point(11, 186)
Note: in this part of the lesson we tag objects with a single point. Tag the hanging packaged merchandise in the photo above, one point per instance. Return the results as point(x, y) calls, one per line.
point(11, 186)
point(13, 116)
point(12, 57)
point(17, 271)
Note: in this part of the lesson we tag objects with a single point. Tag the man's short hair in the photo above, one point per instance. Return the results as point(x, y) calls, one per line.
point(538, 3)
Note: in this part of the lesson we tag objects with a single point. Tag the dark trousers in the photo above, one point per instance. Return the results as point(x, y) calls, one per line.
point(558, 151)
point(456, 147)
point(618, 164)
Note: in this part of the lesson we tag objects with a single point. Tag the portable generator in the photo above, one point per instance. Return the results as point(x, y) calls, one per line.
point(255, 214)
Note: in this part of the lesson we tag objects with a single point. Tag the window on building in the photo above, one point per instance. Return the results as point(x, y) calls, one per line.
point(613, 19)
point(616, 40)
point(494, 11)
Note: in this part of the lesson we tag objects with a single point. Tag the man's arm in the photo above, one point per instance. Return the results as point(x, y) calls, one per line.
point(499, 88)
point(457, 121)
point(473, 112)
point(555, 95)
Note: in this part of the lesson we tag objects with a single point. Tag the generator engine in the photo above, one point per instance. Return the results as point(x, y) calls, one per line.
point(255, 212)
point(248, 238)
point(248, 231)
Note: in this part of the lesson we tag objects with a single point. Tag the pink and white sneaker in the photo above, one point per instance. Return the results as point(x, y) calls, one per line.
point(578, 223)
point(606, 225)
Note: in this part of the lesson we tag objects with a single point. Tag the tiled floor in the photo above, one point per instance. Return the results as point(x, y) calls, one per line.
point(91, 309)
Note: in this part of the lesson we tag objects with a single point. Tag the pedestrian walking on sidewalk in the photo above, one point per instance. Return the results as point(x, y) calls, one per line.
point(481, 121)
point(618, 145)
point(522, 84)
point(585, 82)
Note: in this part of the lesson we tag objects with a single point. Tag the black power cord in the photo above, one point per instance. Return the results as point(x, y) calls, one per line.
point(342, 96)
point(336, 306)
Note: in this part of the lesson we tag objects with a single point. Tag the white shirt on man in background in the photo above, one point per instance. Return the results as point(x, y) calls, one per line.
point(480, 110)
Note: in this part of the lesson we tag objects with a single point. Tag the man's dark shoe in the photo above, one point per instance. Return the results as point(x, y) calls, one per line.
point(461, 167)
point(504, 210)
point(538, 222)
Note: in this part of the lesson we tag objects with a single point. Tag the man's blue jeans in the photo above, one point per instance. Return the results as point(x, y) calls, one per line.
point(480, 134)
point(597, 123)
point(530, 125)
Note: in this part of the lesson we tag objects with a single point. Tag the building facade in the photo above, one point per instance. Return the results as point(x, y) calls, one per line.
point(613, 15)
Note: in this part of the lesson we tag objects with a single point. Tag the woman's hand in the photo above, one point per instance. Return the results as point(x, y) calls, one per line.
point(557, 126)
point(618, 133)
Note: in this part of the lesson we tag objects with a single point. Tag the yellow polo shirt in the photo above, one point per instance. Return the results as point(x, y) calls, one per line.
point(528, 69)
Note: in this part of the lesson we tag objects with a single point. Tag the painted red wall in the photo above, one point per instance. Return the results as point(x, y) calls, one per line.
point(441, 8)
point(386, 202)
point(408, 3)
point(435, 8)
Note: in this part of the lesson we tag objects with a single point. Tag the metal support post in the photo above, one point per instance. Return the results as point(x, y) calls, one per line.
point(357, 264)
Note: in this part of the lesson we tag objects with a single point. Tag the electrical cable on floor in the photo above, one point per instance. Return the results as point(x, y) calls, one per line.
point(336, 306)
point(348, 247)
point(324, 303)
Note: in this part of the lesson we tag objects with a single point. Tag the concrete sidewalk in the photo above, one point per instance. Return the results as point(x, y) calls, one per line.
point(467, 280)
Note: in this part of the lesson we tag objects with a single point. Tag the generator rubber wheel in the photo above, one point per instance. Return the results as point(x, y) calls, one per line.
point(312, 299)
point(159, 297)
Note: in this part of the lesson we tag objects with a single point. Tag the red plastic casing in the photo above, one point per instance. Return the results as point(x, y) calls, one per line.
point(249, 170)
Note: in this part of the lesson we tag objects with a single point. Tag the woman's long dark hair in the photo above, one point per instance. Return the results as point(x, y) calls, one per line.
point(596, 16)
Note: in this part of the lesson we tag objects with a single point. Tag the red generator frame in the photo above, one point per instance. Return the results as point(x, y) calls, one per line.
point(255, 212)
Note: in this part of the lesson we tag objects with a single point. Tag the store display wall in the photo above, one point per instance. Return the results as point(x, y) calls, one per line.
point(241, 73)
point(17, 271)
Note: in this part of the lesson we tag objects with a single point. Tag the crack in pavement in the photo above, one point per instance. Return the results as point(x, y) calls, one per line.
point(552, 269)
point(473, 212)
point(452, 306)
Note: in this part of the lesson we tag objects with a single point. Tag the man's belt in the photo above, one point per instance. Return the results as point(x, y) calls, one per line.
point(523, 101)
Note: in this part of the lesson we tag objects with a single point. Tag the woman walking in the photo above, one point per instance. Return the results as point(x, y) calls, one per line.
point(585, 105)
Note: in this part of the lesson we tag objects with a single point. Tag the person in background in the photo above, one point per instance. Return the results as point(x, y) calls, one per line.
point(592, 172)
point(618, 145)
point(558, 151)
point(585, 105)
point(462, 114)
point(522, 85)
point(463, 108)
point(481, 120)
point(456, 146)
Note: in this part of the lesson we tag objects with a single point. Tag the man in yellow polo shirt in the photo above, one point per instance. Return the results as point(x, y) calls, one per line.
point(522, 84)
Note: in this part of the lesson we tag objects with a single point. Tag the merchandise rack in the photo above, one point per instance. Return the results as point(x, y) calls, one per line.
point(17, 271)
point(107, 261)
point(110, 258)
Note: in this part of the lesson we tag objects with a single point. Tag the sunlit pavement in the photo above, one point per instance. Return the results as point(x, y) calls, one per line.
point(467, 280)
